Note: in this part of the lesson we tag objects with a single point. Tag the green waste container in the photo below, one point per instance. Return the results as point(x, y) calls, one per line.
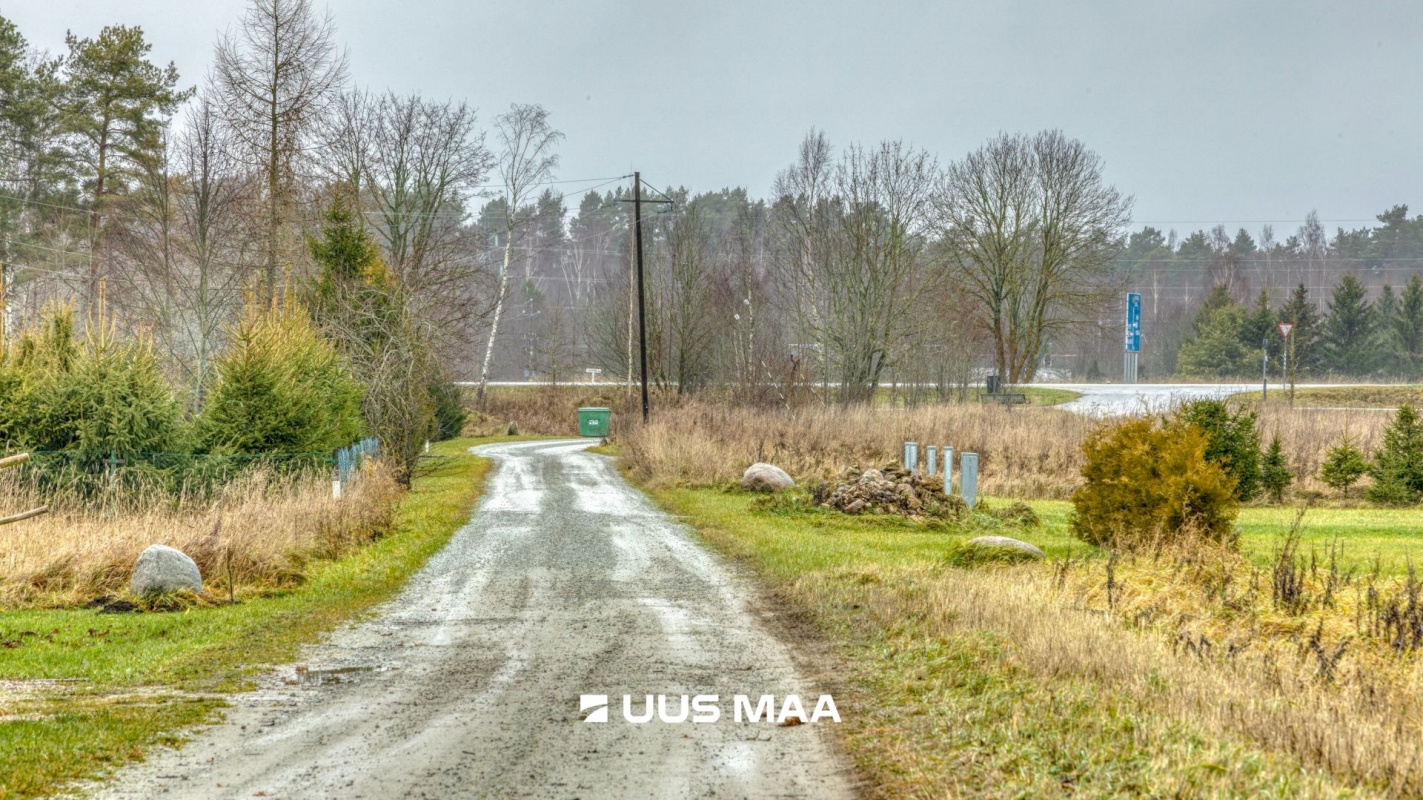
point(594, 421)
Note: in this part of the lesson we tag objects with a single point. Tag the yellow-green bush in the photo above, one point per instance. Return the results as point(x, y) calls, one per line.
point(1145, 483)
point(104, 396)
point(281, 388)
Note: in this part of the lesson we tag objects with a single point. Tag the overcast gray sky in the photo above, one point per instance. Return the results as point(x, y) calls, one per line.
point(1207, 112)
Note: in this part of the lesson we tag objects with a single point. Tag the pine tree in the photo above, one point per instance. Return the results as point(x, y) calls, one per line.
point(1275, 475)
point(1398, 465)
point(1349, 328)
point(1303, 342)
point(114, 103)
point(1343, 466)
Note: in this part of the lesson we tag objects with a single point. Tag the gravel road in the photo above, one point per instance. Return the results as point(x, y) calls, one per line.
point(565, 582)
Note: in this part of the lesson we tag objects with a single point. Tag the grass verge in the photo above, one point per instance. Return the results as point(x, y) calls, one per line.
point(1387, 397)
point(82, 692)
point(980, 682)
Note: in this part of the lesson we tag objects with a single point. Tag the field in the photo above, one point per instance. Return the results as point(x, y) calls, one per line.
point(1085, 675)
point(82, 692)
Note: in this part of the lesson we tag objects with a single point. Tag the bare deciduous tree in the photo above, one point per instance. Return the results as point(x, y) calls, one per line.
point(427, 161)
point(1028, 223)
point(857, 235)
point(276, 75)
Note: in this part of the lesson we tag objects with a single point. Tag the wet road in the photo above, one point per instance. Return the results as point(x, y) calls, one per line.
point(1116, 399)
point(566, 582)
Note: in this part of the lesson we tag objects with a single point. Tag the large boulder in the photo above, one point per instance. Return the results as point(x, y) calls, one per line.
point(161, 569)
point(762, 477)
point(1005, 543)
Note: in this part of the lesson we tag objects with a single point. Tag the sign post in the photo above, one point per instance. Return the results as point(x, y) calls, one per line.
point(1264, 369)
point(1285, 328)
point(1133, 338)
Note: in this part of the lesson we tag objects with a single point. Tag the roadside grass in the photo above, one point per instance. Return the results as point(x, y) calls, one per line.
point(82, 692)
point(1354, 397)
point(978, 682)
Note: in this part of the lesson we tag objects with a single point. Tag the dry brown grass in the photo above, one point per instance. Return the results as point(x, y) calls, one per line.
point(1032, 453)
point(270, 529)
point(1233, 666)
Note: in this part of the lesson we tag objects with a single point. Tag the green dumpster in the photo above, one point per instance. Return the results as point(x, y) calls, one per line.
point(594, 421)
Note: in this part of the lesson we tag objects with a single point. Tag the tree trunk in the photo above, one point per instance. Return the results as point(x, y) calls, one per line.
point(494, 326)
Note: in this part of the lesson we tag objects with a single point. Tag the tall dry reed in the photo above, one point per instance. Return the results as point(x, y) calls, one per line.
point(1028, 452)
point(258, 532)
point(1315, 684)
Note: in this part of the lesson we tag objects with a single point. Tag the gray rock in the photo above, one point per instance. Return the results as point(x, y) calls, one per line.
point(161, 569)
point(1006, 542)
point(762, 477)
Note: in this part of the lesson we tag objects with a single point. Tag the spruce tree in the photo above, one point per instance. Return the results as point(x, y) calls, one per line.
point(1275, 475)
point(1303, 342)
point(1385, 345)
point(1260, 328)
point(1398, 465)
point(1348, 343)
point(1409, 328)
point(1343, 466)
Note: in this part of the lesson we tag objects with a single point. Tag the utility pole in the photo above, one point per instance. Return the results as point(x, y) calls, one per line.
point(641, 301)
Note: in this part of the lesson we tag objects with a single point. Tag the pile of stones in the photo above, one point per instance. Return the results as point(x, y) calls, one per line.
point(891, 490)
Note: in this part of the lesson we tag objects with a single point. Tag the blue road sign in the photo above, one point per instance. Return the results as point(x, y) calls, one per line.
point(1133, 322)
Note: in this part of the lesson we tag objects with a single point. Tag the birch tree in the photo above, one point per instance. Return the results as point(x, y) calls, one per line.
point(526, 160)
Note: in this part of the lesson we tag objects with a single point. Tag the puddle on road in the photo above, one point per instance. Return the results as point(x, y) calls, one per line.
point(328, 677)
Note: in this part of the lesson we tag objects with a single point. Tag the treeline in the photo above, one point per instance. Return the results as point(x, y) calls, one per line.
point(864, 266)
point(299, 376)
point(158, 223)
point(1345, 293)
point(1352, 337)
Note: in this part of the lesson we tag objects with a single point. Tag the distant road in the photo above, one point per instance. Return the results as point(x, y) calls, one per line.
point(1114, 399)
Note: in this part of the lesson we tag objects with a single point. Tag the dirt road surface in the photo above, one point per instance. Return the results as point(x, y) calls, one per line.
point(565, 582)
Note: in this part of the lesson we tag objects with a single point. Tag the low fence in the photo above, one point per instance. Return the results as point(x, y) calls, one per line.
point(349, 460)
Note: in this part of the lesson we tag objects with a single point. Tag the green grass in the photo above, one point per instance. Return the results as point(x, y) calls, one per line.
point(929, 714)
point(135, 680)
point(1393, 536)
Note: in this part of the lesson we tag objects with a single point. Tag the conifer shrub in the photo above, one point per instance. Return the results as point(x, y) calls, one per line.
point(104, 398)
point(281, 388)
point(1343, 466)
point(450, 413)
point(1149, 483)
point(1275, 475)
point(1232, 442)
point(1398, 464)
